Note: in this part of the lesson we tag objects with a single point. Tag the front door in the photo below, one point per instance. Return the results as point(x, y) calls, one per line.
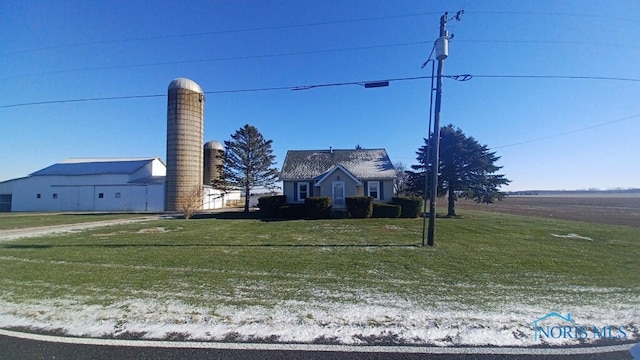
point(338, 194)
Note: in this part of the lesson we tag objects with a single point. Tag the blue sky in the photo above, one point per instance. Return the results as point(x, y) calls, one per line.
point(550, 133)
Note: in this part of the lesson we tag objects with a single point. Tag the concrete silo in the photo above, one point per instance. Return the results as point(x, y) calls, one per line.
point(212, 161)
point(185, 136)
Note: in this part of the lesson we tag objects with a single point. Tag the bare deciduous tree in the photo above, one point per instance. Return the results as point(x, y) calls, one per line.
point(191, 202)
point(402, 179)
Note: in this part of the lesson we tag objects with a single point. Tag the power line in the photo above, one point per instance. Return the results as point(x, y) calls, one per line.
point(567, 132)
point(546, 42)
point(222, 32)
point(49, 102)
point(459, 77)
point(568, 77)
point(295, 26)
point(549, 13)
point(277, 88)
point(249, 57)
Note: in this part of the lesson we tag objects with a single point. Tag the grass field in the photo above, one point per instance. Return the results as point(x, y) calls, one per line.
point(337, 280)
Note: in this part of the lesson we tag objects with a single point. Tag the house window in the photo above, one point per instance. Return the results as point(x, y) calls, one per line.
point(38, 196)
point(54, 196)
point(118, 195)
point(302, 190)
point(373, 189)
point(101, 196)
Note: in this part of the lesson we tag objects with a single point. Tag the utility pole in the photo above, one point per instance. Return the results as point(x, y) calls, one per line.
point(442, 51)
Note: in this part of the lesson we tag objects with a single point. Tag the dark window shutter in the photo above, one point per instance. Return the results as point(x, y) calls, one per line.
point(295, 191)
point(381, 190)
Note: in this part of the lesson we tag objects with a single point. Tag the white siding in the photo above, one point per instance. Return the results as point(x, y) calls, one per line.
point(216, 199)
point(153, 168)
point(82, 193)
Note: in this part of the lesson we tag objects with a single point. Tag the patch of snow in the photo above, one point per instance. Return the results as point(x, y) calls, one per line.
point(572, 236)
point(153, 230)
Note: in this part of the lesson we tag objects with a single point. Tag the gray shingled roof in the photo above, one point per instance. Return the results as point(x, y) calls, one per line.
point(96, 166)
point(311, 164)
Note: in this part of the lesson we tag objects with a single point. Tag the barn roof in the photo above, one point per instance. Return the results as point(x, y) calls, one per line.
point(95, 166)
point(312, 164)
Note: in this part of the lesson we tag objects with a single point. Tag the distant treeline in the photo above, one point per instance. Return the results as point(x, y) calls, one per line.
point(574, 192)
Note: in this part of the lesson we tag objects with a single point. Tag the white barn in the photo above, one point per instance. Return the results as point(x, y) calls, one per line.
point(99, 184)
point(95, 184)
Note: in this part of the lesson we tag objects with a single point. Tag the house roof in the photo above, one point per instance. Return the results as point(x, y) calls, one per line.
point(95, 166)
point(313, 164)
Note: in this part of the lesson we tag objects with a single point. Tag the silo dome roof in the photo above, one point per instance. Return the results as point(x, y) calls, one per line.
point(184, 83)
point(213, 145)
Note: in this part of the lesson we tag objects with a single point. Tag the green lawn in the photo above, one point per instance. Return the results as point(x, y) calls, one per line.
point(479, 259)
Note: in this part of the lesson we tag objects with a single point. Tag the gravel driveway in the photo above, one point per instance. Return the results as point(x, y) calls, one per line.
point(8, 235)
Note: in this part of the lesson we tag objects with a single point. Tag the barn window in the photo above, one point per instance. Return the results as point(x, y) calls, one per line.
point(54, 196)
point(101, 196)
point(118, 195)
point(38, 196)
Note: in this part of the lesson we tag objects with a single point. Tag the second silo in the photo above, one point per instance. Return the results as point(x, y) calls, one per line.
point(185, 135)
point(213, 152)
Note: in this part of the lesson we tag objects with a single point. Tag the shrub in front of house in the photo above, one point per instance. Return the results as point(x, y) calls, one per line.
point(381, 210)
point(270, 205)
point(360, 207)
point(292, 211)
point(411, 206)
point(318, 207)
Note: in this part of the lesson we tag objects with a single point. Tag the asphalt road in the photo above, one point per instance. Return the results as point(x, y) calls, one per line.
point(19, 348)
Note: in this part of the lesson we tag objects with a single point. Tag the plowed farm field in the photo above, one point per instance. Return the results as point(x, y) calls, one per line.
point(597, 208)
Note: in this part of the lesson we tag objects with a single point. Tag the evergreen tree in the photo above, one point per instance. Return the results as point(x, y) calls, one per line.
point(466, 169)
point(247, 163)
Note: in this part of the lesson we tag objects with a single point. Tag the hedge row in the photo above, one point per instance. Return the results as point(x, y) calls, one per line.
point(270, 205)
point(318, 207)
point(361, 207)
point(411, 206)
point(386, 211)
